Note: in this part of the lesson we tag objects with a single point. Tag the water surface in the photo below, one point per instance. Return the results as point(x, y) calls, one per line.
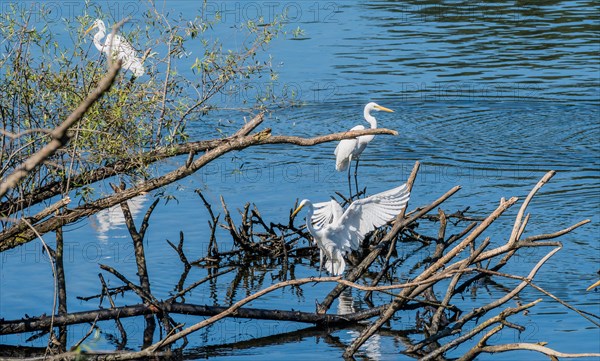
point(488, 96)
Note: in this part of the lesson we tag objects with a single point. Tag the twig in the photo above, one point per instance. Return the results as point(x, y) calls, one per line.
point(517, 225)
point(179, 250)
point(140, 292)
point(450, 290)
point(87, 334)
point(482, 326)
point(540, 237)
point(535, 347)
point(112, 305)
point(198, 283)
point(566, 304)
point(212, 243)
point(409, 185)
point(408, 292)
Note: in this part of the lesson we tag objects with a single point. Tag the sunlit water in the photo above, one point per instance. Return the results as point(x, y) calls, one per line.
point(487, 96)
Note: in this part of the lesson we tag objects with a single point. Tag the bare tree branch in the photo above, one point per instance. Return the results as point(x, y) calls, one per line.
point(232, 143)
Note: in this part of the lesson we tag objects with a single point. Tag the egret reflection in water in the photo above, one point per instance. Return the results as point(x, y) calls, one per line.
point(346, 305)
point(112, 218)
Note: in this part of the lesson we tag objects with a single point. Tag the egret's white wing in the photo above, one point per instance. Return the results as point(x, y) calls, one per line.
point(344, 149)
point(325, 213)
point(126, 52)
point(364, 215)
point(121, 46)
point(135, 66)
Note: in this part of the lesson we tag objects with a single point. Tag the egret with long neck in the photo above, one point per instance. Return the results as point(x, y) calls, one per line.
point(119, 46)
point(337, 232)
point(351, 149)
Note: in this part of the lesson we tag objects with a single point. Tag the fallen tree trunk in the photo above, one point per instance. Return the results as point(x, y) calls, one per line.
point(256, 241)
point(44, 323)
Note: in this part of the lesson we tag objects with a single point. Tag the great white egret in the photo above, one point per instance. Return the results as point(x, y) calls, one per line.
point(324, 213)
point(337, 232)
point(350, 149)
point(121, 48)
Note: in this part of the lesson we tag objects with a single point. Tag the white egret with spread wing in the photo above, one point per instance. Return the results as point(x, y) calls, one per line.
point(121, 48)
point(351, 149)
point(337, 232)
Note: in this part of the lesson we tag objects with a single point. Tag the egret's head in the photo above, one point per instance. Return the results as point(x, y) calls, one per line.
point(302, 204)
point(97, 24)
point(377, 107)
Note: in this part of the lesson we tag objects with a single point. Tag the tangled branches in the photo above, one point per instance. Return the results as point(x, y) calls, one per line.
point(434, 289)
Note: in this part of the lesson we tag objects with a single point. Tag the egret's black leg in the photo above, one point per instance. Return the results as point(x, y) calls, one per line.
point(356, 177)
point(320, 261)
point(131, 80)
point(349, 182)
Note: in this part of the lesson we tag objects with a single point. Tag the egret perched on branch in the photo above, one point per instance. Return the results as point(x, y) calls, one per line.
point(337, 232)
point(121, 48)
point(350, 149)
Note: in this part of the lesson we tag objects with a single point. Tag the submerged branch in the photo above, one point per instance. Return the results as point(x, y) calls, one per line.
point(44, 322)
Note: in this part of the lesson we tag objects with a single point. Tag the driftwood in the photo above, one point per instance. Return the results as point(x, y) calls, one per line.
point(240, 140)
point(457, 258)
point(45, 322)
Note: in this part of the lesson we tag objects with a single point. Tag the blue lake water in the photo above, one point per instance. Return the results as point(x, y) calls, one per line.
point(488, 96)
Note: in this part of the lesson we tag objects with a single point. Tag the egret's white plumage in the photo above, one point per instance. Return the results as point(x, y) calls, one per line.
point(351, 149)
point(337, 232)
point(121, 48)
point(324, 213)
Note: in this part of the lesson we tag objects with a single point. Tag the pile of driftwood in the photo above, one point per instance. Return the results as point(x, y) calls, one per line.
point(459, 261)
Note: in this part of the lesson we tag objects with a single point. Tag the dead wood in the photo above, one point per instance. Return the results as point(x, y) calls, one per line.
point(456, 257)
point(44, 322)
point(259, 244)
point(61, 286)
point(105, 290)
point(409, 293)
point(541, 348)
point(232, 143)
point(140, 259)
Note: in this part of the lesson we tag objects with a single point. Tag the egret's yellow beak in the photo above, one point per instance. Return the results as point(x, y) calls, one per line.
point(384, 109)
point(297, 210)
point(90, 29)
point(593, 286)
